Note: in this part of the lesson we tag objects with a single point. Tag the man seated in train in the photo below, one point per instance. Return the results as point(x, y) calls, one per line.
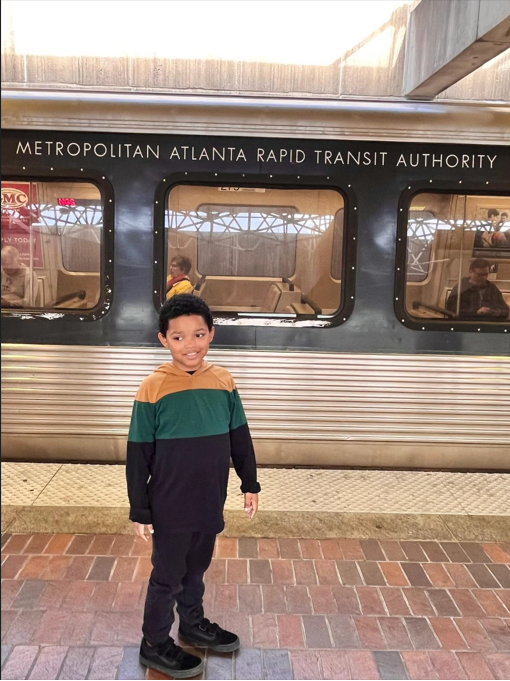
point(178, 280)
point(17, 281)
point(480, 299)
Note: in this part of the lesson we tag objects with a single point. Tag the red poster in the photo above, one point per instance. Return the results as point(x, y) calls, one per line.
point(20, 209)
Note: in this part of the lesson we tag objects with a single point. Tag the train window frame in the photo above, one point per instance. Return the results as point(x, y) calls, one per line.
point(349, 246)
point(399, 298)
point(106, 285)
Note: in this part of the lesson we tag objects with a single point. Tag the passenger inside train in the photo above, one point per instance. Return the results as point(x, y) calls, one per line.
point(178, 280)
point(18, 283)
point(457, 242)
point(478, 296)
point(259, 250)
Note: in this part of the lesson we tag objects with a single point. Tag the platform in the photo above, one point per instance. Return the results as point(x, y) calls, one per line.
point(315, 503)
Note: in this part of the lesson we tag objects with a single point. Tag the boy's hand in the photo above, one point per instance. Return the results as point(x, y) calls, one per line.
point(139, 530)
point(251, 504)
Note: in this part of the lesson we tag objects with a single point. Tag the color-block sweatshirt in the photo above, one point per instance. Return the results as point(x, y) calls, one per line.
point(184, 431)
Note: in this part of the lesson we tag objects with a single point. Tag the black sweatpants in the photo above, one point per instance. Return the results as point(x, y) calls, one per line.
point(179, 562)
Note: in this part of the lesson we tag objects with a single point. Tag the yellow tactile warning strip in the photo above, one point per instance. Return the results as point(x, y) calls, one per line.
point(293, 490)
point(22, 483)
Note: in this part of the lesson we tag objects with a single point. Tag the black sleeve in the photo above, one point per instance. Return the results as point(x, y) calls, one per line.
point(451, 303)
point(501, 306)
point(241, 447)
point(140, 450)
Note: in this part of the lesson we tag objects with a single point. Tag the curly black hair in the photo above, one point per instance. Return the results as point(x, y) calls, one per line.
point(184, 304)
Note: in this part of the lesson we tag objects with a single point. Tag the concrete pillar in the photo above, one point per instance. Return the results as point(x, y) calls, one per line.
point(448, 39)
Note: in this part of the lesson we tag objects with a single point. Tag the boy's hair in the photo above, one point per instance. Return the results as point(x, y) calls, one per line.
point(182, 262)
point(479, 264)
point(492, 213)
point(184, 304)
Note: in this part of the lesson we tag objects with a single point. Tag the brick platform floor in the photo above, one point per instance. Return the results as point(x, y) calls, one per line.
point(305, 609)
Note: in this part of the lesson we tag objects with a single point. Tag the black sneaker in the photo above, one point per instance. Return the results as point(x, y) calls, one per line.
point(209, 635)
point(170, 659)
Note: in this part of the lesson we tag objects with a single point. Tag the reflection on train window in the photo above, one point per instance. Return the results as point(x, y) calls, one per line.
point(458, 258)
point(256, 250)
point(51, 244)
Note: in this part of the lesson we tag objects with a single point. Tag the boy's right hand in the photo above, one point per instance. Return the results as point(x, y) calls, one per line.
point(139, 530)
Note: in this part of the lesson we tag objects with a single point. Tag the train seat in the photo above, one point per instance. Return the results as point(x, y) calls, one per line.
point(287, 298)
point(240, 294)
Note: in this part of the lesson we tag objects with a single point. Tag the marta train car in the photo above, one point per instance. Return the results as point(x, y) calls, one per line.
point(355, 256)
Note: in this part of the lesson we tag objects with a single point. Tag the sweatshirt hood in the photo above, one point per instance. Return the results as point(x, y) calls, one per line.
point(170, 369)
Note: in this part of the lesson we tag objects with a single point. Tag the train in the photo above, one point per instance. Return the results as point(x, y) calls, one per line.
point(355, 256)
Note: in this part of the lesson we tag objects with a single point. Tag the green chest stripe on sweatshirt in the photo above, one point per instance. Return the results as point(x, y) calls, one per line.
point(186, 414)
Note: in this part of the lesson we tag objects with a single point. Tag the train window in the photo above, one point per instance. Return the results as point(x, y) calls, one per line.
point(52, 235)
point(256, 250)
point(458, 258)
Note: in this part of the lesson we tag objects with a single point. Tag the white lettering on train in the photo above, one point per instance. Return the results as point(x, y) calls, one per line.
point(326, 157)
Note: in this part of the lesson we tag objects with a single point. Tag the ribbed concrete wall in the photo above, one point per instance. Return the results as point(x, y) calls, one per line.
point(374, 68)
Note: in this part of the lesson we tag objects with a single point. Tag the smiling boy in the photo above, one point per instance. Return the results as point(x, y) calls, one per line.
point(187, 423)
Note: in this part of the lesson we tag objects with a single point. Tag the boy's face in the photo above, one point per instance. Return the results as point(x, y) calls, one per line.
point(188, 340)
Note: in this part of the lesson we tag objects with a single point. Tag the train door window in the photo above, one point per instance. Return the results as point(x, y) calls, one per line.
point(256, 250)
point(458, 258)
point(52, 235)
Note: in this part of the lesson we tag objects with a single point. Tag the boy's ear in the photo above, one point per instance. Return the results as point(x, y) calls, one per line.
point(211, 334)
point(163, 340)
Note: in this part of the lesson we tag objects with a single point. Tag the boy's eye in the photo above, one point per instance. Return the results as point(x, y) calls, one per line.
point(177, 338)
point(200, 335)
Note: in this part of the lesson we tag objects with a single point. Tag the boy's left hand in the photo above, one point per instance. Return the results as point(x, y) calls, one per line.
point(251, 504)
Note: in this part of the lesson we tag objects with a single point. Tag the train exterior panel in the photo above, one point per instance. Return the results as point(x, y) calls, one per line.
point(368, 380)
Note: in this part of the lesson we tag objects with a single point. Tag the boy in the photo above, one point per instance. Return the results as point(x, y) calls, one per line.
point(187, 422)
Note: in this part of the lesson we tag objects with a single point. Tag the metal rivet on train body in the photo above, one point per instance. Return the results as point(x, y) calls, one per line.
point(452, 329)
point(103, 178)
point(299, 177)
point(403, 320)
point(401, 209)
point(24, 167)
point(396, 298)
point(409, 187)
point(355, 208)
point(215, 174)
point(155, 291)
point(345, 319)
point(327, 178)
point(349, 185)
point(270, 176)
point(164, 180)
point(155, 262)
point(156, 202)
point(398, 269)
point(352, 297)
point(505, 330)
point(81, 170)
point(353, 268)
point(430, 180)
point(399, 239)
point(52, 169)
point(186, 173)
point(110, 200)
point(487, 182)
point(244, 175)
point(478, 329)
point(155, 232)
point(423, 328)
point(109, 260)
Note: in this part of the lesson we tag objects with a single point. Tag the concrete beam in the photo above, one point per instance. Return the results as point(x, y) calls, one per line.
point(448, 39)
